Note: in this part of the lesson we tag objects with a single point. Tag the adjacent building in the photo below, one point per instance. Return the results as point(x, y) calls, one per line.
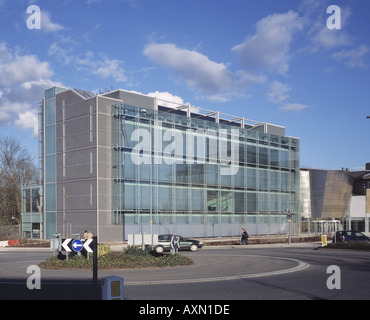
point(120, 162)
point(334, 199)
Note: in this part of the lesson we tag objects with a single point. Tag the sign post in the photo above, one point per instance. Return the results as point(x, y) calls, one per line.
point(175, 244)
point(95, 261)
point(95, 266)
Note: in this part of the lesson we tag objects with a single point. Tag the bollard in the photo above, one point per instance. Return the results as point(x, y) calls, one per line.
point(112, 288)
point(324, 240)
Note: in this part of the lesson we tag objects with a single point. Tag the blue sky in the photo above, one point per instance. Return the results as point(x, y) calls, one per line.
point(269, 61)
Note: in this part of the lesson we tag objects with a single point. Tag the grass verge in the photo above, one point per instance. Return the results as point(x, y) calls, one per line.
point(129, 258)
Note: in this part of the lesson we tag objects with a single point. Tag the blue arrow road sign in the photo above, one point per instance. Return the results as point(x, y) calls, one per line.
point(77, 245)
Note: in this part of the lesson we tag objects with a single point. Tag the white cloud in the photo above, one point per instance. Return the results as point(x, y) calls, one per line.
point(293, 107)
point(319, 35)
point(197, 70)
point(23, 78)
point(16, 68)
point(354, 58)
point(10, 109)
point(47, 25)
point(278, 92)
point(269, 47)
point(245, 79)
point(309, 7)
point(167, 99)
point(60, 51)
point(28, 120)
point(328, 39)
point(103, 66)
point(63, 51)
point(111, 68)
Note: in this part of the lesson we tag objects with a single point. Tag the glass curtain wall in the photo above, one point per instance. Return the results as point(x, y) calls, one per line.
point(49, 156)
point(31, 212)
point(204, 178)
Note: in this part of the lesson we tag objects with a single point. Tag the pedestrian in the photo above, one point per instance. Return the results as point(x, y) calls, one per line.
point(245, 237)
point(88, 235)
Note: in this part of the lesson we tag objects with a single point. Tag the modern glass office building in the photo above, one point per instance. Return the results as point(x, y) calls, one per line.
point(199, 175)
point(121, 163)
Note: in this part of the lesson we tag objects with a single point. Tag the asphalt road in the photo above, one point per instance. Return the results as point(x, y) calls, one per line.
point(228, 273)
point(308, 283)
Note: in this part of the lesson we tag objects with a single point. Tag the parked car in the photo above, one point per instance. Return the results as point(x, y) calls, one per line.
point(350, 236)
point(164, 243)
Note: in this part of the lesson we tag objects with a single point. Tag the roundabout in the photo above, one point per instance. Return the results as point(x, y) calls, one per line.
point(227, 273)
point(212, 267)
point(208, 266)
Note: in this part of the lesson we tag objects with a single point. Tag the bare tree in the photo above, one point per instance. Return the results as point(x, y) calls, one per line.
point(16, 169)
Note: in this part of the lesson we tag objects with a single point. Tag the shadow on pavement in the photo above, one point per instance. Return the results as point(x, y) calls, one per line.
point(16, 289)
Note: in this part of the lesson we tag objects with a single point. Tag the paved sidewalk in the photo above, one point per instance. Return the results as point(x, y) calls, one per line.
point(120, 247)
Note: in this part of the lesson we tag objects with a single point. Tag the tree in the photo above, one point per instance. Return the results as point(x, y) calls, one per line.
point(16, 169)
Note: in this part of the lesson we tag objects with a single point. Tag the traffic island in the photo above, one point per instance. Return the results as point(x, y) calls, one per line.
point(130, 258)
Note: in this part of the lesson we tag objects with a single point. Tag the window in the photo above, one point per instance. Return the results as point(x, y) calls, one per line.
point(50, 139)
point(182, 201)
point(239, 202)
point(50, 112)
point(198, 196)
point(50, 168)
point(263, 156)
point(50, 197)
point(35, 200)
point(26, 201)
point(251, 178)
point(274, 157)
point(212, 200)
point(251, 154)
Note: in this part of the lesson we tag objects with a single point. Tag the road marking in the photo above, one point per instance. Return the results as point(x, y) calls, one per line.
point(301, 266)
